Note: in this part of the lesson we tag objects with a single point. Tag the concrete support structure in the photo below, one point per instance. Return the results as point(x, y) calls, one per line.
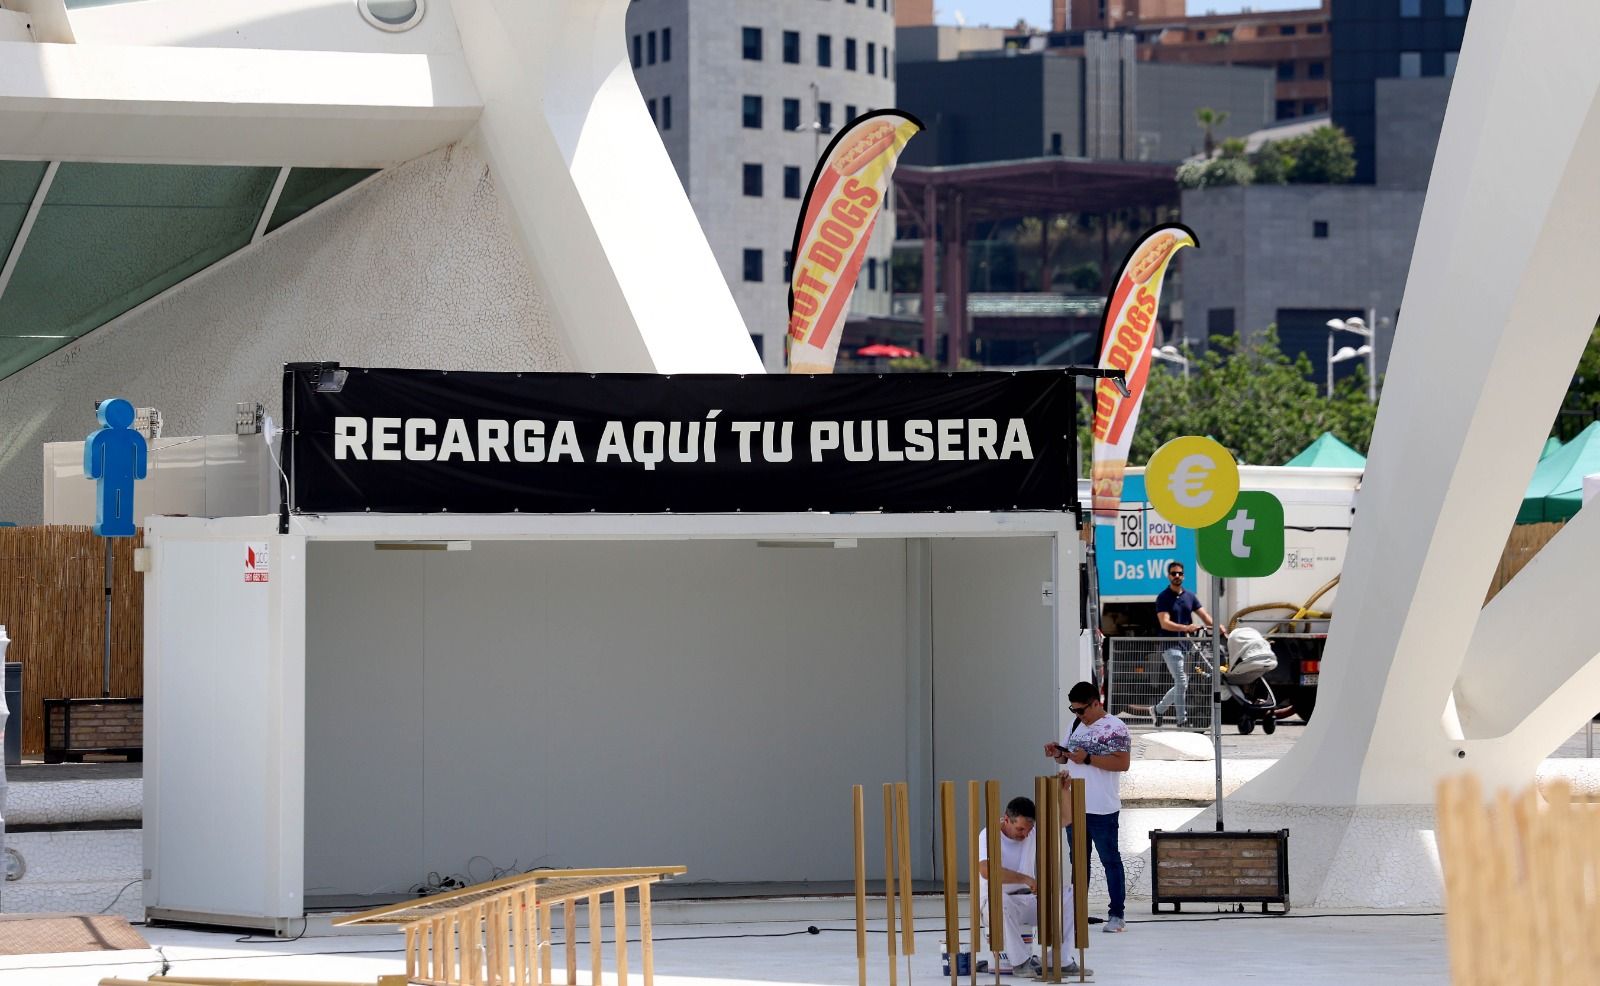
point(1418, 683)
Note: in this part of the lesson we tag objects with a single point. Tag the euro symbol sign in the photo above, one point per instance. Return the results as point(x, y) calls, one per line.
point(1192, 481)
point(1189, 478)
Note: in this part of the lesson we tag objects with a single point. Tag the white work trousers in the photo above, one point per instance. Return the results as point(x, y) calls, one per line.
point(1021, 913)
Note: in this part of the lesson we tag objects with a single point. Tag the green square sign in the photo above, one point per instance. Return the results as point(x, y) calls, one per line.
point(1248, 542)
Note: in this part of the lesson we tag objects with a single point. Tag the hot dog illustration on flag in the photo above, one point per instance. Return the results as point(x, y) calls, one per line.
point(836, 219)
point(1127, 334)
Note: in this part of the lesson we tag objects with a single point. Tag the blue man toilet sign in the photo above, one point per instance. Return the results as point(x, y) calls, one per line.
point(115, 455)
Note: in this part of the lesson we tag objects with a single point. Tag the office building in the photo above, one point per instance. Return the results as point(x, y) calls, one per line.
point(746, 96)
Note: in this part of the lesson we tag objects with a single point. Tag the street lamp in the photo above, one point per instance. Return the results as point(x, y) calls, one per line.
point(816, 127)
point(1357, 325)
point(1170, 354)
point(1346, 353)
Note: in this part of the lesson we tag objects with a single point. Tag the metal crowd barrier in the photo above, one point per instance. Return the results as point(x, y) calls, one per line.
point(1137, 677)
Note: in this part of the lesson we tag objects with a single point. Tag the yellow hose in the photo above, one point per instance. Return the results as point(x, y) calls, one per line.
point(1302, 611)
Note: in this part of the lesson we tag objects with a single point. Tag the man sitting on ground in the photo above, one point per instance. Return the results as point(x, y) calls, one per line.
point(1018, 886)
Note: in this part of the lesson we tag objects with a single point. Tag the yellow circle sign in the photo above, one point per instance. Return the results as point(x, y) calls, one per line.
point(1192, 481)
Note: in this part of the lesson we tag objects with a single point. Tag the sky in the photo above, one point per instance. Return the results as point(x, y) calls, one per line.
point(1004, 13)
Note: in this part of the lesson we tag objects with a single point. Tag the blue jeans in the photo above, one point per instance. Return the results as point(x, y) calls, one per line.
point(1177, 697)
point(1103, 837)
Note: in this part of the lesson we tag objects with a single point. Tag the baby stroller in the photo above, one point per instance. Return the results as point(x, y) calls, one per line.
point(1250, 657)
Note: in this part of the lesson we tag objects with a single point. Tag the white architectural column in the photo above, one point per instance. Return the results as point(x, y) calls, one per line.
point(1418, 680)
point(607, 227)
point(1499, 303)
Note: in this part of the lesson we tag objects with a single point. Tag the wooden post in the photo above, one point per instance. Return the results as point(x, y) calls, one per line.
point(646, 936)
point(545, 917)
point(1080, 874)
point(596, 933)
point(411, 954)
point(519, 938)
point(974, 904)
point(888, 878)
point(441, 949)
point(947, 858)
point(1053, 862)
point(991, 817)
point(908, 914)
point(619, 919)
point(1041, 867)
point(569, 931)
point(860, 856)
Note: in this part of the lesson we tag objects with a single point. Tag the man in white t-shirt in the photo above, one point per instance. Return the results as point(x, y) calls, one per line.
point(1019, 890)
point(1098, 750)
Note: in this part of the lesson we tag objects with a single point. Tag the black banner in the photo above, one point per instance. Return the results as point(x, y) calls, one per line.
point(423, 441)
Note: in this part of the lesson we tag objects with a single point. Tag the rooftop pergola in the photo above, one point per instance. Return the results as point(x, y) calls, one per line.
point(948, 200)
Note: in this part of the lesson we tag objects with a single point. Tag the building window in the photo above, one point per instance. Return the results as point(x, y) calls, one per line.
point(849, 112)
point(872, 58)
point(1313, 28)
point(1410, 8)
point(666, 44)
point(825, 116)
point(1410, 64)
point(666, 112)
point(850, 54)
point(1285, 70)
point(638, 50)
point(1455, 8)
point(869, 3)
point(791, 114)
point(1319, 229)
point(651, 105)
point(1055, 143)
point(788, 264)
point(1450, 58)
point(752, 180)
point(1284, 109)
point(1287, 30)
point(872, 273)
point(791, 182)
point(1316, 70)
point(650, 48)
point(824, 50)
point(1219, 322)
point(791, 47)
point(1309, 108)
point(1199, 35)
point(760, 343)
point(885, 61)
point(752, 44)
point(752, 112)
point(752, 265)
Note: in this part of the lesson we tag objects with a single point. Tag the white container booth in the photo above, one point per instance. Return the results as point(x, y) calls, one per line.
point(337, 712)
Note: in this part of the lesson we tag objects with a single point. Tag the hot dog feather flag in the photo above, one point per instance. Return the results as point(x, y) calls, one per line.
point(836, 219)
point(1127, 334)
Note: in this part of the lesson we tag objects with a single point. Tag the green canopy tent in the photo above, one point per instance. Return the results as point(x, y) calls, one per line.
point(1556, 490)
point(1550, 445)
point(1327, 452)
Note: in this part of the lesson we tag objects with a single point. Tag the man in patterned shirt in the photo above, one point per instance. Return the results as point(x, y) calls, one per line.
point(1097, 749)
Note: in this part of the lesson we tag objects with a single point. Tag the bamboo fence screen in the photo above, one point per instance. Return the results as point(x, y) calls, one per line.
point(1523, 543)
point(52, 603)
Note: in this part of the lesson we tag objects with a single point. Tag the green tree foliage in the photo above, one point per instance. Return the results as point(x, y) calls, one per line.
point(1209, 120)
point(1582, 403)
point(1218, 172)
point(1325, 156)
point(1261, 405)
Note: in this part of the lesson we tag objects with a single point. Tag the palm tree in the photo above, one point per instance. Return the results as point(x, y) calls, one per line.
point(1209, 120)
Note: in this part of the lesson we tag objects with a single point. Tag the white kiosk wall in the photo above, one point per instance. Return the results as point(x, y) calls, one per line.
point(570, 703)
point(577, 691)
